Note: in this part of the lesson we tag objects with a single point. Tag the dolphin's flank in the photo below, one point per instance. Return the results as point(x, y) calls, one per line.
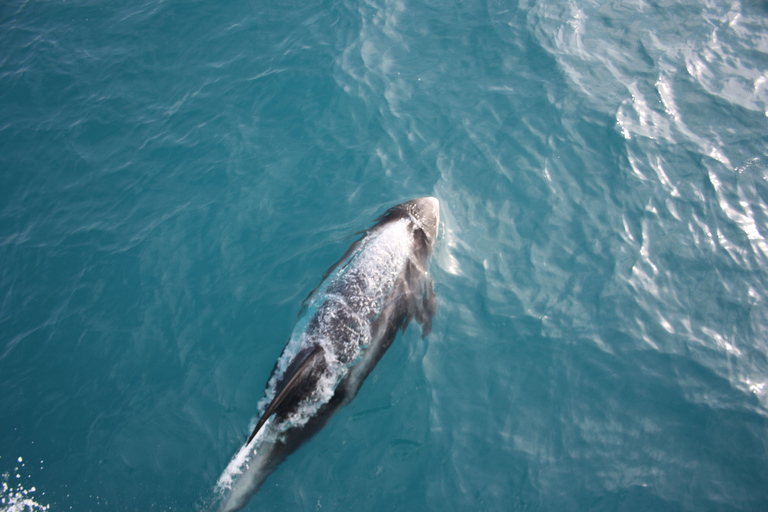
point(380, 284)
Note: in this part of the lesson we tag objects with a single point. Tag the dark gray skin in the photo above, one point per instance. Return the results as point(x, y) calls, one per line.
point(350, 322)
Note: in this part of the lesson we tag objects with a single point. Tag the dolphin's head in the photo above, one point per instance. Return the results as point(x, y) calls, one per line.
point(426, 213)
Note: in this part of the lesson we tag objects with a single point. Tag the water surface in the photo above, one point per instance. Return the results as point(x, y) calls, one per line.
point(175, 177)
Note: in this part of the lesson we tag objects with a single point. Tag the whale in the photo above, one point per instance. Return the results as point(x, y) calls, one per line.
point(379, 286)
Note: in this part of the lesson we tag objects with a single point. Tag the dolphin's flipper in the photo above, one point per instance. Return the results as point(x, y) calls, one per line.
point(288, 390)
point(417, 286)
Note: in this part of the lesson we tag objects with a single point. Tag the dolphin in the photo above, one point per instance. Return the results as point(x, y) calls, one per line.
point(345, 326)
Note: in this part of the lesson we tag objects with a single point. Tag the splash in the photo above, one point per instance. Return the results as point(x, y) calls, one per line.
point(17, 498)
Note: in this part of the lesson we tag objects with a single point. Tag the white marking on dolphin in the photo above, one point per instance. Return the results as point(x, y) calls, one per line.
point(380, 284)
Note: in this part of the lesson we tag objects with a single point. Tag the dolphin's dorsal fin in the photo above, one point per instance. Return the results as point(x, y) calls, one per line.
point(289, 389)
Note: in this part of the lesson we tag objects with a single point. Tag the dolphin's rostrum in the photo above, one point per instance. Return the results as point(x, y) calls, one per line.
point(380, 284)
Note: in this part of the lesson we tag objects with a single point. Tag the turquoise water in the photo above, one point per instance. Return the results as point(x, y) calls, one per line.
point(175, 177)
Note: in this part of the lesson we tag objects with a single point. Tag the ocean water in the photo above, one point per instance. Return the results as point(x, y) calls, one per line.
point(175, 177)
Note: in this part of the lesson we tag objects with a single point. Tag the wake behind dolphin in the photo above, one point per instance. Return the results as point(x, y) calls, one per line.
point(380, 284)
